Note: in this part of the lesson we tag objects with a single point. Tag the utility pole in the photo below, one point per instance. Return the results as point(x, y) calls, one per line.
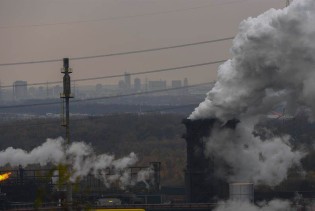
point(66, 95)
point(0, 93)
point(287, 3)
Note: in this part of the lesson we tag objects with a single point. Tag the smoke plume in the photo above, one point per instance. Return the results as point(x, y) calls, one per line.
point(274, 205)
point(251, 159)
point(273, 62)
point(79, 155)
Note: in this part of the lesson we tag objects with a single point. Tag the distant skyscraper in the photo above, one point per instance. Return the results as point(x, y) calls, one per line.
point(185, 90)
point(121, 85)
point(20, 90)
point(185, 82)
point(137, 84)
point(0, 92)
point(127, 80)
point(157, 85)
point(176, 83)
point(57, 90)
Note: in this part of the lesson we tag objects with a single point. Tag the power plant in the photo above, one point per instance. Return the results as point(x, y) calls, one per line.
point(238, 156)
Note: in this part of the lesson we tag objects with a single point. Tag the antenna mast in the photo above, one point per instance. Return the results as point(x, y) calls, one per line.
point(66, 95)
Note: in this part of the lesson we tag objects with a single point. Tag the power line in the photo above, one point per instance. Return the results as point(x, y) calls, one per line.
point(117, 54)
point(104, 97)
point(121, 75)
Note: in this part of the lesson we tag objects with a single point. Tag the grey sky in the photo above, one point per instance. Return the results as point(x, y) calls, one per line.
point(51, 29)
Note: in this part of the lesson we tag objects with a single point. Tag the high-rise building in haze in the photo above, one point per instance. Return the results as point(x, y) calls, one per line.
point(20, 90)
point(185, 82)
point(0, 93)
point(127, 80)
point(156, 85)
point(176, 83)
point(185, 90)
point(121, 85)
point(137, 84)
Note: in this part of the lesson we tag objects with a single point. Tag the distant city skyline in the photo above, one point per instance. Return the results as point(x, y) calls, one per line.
point(22, 90)
point(40, 30)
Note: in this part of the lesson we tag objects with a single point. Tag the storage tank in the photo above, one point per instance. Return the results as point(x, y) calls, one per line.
point(242, 191)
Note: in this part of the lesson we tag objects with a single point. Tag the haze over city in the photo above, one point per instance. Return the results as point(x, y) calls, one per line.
point(157, 105)
point(37, 30)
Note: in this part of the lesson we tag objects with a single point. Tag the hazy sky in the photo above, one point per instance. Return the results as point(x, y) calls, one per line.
point(34, 30)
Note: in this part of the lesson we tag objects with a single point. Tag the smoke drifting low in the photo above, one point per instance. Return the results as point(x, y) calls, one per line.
point(80, 156)
point(274, 205)
point(273, 62)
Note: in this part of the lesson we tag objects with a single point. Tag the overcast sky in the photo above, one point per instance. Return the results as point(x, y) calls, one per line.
point(34, 30)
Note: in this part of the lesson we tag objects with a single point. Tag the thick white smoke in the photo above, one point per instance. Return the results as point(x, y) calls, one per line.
point(49, 152)
point(79, 155)
point(274, 205)
point(273, 62)
point(252, 159)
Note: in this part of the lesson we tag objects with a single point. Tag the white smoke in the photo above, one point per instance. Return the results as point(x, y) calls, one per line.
point(252, 159)
point(274, 205)
point(146, 176)
point(49, 152)
point(273, 62)
point(79, 155)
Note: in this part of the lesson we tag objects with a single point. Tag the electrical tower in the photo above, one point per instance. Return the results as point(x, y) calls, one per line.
point(65, 96)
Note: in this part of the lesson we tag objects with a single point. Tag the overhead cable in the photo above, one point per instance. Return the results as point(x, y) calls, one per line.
point(121, 75)
point(116, 54)
point(105, 97)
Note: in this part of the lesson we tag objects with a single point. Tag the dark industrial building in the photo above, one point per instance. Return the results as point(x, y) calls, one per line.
point(202, 186)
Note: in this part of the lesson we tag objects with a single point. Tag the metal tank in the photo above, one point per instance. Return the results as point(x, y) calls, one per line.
point(241, 191)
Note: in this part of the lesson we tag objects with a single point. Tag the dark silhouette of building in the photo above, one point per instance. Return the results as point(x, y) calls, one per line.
point(127, 81)
point(20, 90)
point(176, 83)
point(156, 85)
point(201, 184)
point(137, 84)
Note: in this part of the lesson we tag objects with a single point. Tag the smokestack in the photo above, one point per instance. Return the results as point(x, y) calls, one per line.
point(272, 63)
point(202, 185)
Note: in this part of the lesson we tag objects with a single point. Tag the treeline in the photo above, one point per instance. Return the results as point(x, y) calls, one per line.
point(153, 137)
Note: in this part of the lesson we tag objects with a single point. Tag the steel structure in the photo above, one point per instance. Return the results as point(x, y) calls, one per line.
point(201, 184)
point(66, 95)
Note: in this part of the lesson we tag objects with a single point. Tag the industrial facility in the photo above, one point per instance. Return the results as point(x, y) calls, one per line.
point(247, 145)
point(202, 186)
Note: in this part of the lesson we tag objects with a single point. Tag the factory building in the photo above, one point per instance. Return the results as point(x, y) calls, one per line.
point(201, 184)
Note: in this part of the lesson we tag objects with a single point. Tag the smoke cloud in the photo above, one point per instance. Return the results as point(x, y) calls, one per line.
point(273, 62)
point(274, 205)
point(252, 159)
point(146, 176)
point(49, 152)
point(80, 156)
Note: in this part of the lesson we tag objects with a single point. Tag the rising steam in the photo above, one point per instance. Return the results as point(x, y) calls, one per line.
point(252, 159)
point(80, 156)
point(274, 205)
point(273, 62)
